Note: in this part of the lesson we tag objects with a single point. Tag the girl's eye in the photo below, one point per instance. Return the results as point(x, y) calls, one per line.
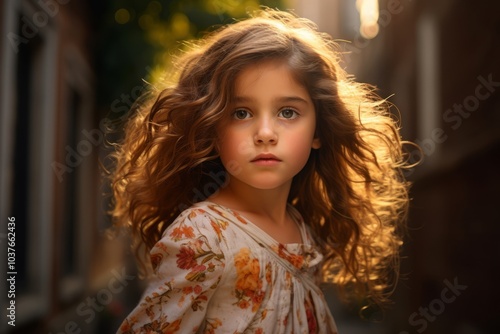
point(288, 113)
point(241, 114)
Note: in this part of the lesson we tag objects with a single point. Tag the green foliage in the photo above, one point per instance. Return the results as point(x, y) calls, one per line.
point(136, 39)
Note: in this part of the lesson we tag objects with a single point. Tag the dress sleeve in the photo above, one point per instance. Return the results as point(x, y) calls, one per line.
point(188, 265)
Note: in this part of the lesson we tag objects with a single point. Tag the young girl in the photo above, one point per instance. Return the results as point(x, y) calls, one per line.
point(264, 169)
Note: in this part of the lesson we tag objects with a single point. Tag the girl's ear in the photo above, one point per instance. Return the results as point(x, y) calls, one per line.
point(316, 143)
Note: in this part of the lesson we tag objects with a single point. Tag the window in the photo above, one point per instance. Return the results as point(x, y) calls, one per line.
point(76, 218)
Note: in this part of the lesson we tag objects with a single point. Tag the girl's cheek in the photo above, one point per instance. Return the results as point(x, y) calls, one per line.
point(245, 148)
point(233, 167)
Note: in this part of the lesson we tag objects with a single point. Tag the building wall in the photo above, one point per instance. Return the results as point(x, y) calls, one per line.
point(49, 176)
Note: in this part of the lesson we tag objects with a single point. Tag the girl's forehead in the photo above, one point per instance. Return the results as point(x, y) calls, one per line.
point(263, 71)
point(269, 83)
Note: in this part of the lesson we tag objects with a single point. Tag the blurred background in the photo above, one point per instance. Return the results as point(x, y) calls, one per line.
point(70, 69)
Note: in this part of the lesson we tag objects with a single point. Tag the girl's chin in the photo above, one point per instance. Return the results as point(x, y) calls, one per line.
point(265, 185)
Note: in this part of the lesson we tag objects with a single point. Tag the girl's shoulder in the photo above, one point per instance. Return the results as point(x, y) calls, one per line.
point(201, 219)
point(206, 211)
point(203, 213)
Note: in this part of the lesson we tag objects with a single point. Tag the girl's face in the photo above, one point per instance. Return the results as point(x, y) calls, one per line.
point(270, 129)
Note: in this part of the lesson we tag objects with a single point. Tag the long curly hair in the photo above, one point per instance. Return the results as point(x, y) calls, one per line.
point(351, 192)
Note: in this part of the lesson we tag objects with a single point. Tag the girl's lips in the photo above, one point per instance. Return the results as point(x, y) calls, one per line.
point(266, 157)
point(266, 160)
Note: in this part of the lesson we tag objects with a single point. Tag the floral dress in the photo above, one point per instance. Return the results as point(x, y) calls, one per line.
point(213, 275)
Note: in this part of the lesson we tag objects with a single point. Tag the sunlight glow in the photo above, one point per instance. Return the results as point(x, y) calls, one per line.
point(368, 15)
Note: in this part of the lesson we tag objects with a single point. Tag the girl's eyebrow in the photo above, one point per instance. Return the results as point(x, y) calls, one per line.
point(282, 99)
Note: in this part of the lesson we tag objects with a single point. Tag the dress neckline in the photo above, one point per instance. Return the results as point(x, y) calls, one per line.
point(294, 214)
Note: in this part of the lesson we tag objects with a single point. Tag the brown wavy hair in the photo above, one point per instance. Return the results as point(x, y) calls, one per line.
point(351, 192)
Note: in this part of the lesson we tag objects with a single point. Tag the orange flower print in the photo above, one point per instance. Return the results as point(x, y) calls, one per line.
point(197, 273)
point(195, 250)
point(188, 231)
point(269, 273)
point(240, 218)
point(125, 327)
point(186, 258)
point(195, 213)
point(296, 260)
point(217, 229)
point(311, 318)
point(161, 325)
point(288, 280)
point(198, 302)
point(156, 259)
point(176, 234)
point(247, 270)
point(182, 232)
point(173, 328)
point(248, 283)
point(212, 324)
point(187, 290)
point(218, 210)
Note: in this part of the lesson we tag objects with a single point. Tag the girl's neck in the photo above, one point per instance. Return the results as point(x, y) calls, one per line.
point(265, 208)
point(267, 203)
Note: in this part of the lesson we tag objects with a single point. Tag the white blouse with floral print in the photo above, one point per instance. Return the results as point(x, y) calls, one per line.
point(212, 277)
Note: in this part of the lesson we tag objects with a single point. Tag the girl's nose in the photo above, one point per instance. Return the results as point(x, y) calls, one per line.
point(265, 133)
